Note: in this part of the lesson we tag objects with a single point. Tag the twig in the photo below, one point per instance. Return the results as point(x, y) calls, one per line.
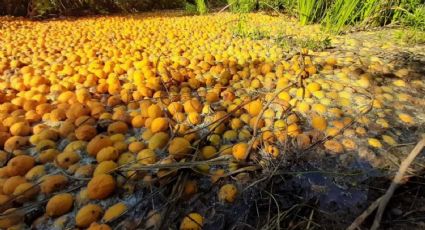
point(310, 219)
point(224, 8)
point(396, 182)
point(222, 160)
point(382, 201)
point(360, 219)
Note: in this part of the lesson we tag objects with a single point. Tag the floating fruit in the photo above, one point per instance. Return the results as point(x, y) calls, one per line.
point(88, 214)
point(26, 191)
point(349, 144)
point(96, 226)
point(12, 183)
point(53, 183)
point(179, 147)
point(20, 165)
point(101, 186)
point(208, 152)
point(105, 167)
point(406, 118)
point(146, 156)
point(107, 154)
point(66, 159)
point(319, 123)
point(35, 173)
point(389, 140)
point(190, 189)
point(97, 143)
point(59, 204)
point(374, 142)
point(159, 124)
point(114, 212)
point(254, 107)
point(158, 140)
point(193, 221)
point(85, 132)
point(240, 151)
point(192, 105)
point(334, 146)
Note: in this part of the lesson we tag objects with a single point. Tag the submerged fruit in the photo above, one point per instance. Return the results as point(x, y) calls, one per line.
point(228, 193)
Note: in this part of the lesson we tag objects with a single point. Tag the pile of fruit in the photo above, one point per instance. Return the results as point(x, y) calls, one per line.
point(95, 109)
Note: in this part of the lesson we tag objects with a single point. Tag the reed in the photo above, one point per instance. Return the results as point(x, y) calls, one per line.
point(310, 11)
point(341, 13)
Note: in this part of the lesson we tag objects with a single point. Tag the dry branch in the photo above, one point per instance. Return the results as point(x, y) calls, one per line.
point(381, 202)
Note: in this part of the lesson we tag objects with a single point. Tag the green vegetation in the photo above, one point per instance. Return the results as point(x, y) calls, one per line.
point(200, 7)
point(341, 13)
point(245, 30)
point(415, 19)
point(190, 8)
point(411, 36)
point(336, 15)
point(242, 6)
point(310, 10)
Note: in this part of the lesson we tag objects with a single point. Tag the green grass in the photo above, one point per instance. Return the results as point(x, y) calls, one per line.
point(310, 11)
point(410, 36)
point(341, 13)
point(288, 43)
point(200, 7)
point(245, 30)
point(190, 8)
point(336, 15)
point(415, 19)
point(242, 6)
point(368, 10)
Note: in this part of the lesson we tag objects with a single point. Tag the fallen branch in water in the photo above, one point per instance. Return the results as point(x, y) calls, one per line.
point(381, 202)
point(396, 182)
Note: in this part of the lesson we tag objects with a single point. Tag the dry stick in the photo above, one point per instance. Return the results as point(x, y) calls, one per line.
point(180, 165)
point(396, 182)
point(224, 8)
point(360, 219)
point(383, 200)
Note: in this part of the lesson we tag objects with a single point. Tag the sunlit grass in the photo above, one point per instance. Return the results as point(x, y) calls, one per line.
point(341, 13)
point(310, 10)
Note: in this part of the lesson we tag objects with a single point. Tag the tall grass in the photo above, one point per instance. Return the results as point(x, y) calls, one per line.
point(341, 13)
point(411, 13)
point(310, 10)
point(200, 7)
point(368, 10)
